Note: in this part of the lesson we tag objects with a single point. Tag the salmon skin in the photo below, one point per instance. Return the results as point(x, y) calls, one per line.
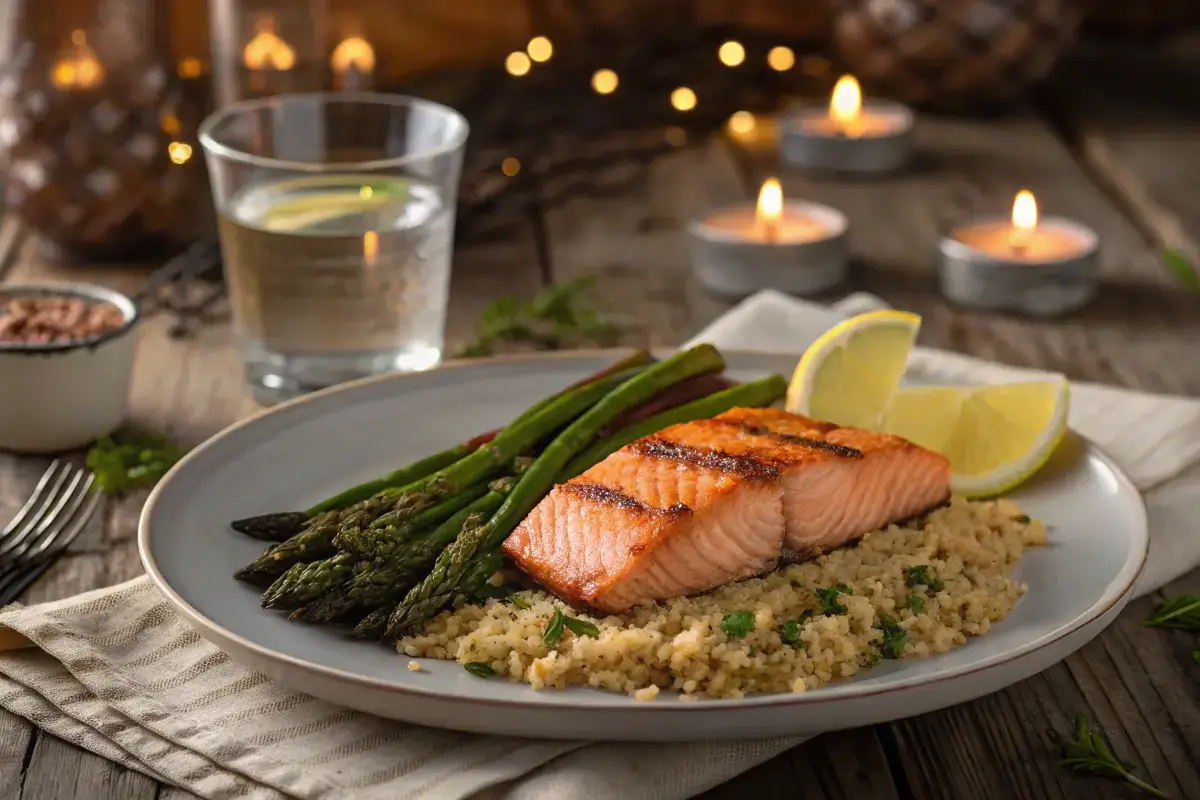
point(703, 503)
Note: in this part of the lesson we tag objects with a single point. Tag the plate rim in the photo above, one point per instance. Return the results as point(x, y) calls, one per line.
point(218, 632)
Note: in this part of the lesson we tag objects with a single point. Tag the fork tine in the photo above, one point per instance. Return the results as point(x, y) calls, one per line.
point(77, 495)
point(19, 544)
point(13, 585)
point(33, 500)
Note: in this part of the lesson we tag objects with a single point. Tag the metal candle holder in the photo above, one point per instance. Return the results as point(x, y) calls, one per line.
point(807, 140)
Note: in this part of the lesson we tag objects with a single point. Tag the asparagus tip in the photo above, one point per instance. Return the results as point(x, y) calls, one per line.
point(274, 527)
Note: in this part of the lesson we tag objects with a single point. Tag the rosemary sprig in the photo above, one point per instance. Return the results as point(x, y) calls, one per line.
point(1089, 753)
point(1181, 613)
point(558, 317)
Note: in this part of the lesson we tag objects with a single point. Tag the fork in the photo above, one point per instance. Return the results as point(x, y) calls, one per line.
point(53, 516)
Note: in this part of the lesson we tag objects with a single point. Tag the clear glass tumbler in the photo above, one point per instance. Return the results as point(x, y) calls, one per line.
point(336, 220)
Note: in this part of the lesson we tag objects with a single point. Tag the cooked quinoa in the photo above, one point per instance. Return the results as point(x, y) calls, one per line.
point(787, 632)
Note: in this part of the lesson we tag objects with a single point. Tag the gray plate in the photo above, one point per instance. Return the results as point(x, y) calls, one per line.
point(301, 452)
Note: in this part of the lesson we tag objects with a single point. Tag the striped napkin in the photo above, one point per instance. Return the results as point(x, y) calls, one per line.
point(117, 672)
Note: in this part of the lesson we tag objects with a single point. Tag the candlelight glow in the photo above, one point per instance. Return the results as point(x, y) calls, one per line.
point(517, 63)
point(683, 99)
point(189, 67)
point(742, 122)
point(540, 49)
point(731, 53)
point(769, 209)
point(781, 59)
point(179, 152)
point(80, 69)
point(510, 166)
point(353, 52)
point(1024, 219)
point(370, 248)
point(845, 105)
point(604, 81)
point(268, 50)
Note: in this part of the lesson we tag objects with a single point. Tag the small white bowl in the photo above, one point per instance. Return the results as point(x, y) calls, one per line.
point(61, 396)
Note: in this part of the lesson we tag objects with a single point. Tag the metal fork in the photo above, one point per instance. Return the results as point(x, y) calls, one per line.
point(53, 516)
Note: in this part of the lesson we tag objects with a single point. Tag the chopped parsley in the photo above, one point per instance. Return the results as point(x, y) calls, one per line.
point(873, 656)
point(479, 669)
point(916, 603)
point(738, 624)
point(581, 627)
point(131, 460)
point(1022, 518)
point(790, 632)
point(894, 637)
point(828, 598)
point(920, 576)
point(554, 629)
point(518, 601)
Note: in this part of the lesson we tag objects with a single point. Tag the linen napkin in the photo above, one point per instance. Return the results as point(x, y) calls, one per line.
point(118, 673)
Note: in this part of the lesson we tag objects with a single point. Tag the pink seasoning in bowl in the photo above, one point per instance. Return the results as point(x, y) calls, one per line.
point(49, 319)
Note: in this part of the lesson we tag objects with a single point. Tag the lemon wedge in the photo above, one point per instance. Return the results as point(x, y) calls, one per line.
point(996, 437)
point(848, 375)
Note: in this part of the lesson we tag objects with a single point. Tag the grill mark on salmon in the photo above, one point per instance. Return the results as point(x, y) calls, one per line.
point(744, 466)
point(816, 444)
point(606, 494)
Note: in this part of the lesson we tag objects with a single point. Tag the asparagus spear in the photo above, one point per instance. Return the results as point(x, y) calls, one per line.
point(280, 526)
point(373, 541)
point(423, 600)
point(754, 394)
point(384, 581)
point(302, 582)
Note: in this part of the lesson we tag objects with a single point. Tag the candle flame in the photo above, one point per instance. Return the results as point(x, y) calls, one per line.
point(353, 52)
point(268, 50)
point(845, 104)
point(1025, 211)
point(769, 210)
point(370, 247)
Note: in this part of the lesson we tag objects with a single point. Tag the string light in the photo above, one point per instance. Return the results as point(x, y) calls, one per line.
point(169, 123)
point(510, 166)
point(189, 67)
point(781, 58)
point(683, 99)
point(540, 49)
point(742, 122)
point(179, 152)
point(517, 64)
point(731, 53)
point(366, 192)
point(604, 81)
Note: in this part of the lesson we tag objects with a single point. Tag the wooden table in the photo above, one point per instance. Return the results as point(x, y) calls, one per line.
point(1113, 142)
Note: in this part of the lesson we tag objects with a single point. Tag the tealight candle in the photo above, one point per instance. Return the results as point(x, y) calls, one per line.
point(1021, 263)
point(848, 135)
point(779, 244)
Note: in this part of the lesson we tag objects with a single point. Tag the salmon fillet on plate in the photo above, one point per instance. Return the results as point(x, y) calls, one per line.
point(704, 503)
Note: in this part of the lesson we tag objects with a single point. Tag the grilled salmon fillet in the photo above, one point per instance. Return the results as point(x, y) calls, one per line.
point(707, 502)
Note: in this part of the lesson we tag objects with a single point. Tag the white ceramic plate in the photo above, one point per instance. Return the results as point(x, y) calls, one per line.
point(301, 452)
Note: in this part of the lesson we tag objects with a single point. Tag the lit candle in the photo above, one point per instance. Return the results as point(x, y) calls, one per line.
point(266, 53)
point(775, 243)
point(352, 62)
point(1020, 262)
point(848, 135)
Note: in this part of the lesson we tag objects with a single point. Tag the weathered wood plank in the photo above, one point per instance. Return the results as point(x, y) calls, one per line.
point(1135, 117)
point(61, 771)
point(16, 739)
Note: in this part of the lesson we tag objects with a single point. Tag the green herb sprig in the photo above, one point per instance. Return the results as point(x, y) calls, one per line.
point(1089, 753)
point(479, 669)
point(738, 624)
point(920, 576)
point(559, 621)
point(554, 629)
point(1183, 270)
point(828, 598)
point(132, 460)
point(894, 637)
point(790, 632)
point(916, 603)
point(560, 316)
point(1181, 612)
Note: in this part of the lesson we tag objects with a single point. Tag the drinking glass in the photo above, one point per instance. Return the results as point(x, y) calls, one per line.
point(336, 220)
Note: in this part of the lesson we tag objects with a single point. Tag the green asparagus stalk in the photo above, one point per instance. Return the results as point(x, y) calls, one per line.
point(385, 581)
point(423, 600)
point(280, 526)
point(377, 540)
point(755, 394)
point(303, 582)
